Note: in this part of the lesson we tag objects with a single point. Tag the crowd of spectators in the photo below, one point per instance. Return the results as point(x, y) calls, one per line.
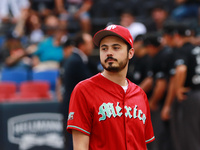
point(40, 35)
point(35, 24)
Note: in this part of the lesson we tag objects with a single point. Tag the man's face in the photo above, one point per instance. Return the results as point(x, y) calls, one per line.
point(126, 19)
point(168, 40)
point(114, 56)
point(159, 15)
point(88, 44)
point(151, 50)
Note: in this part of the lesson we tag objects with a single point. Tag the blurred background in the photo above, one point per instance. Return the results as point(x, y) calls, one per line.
point(46, 49)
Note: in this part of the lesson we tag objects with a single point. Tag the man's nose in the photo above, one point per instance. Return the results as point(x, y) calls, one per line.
point(109, 54)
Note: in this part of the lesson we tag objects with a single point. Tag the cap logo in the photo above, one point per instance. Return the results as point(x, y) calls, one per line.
point(130, 40)
point(111, 27)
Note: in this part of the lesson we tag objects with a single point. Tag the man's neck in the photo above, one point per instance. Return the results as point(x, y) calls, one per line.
point(116, 77)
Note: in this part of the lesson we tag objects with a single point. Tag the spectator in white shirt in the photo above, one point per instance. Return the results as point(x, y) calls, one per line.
point(10, 10)
point(128, 20)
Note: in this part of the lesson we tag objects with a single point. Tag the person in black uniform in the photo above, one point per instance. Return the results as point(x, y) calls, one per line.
point(188, 89)
point(168, 34)
point(159, 55)
point(138, 68)
point(168, 113)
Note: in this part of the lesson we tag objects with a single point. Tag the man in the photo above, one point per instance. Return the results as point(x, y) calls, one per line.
point(169, 29)
point(158, 16)
point(68, 48)
point(107, 111)
point(138, 70)
point(76, 68)
point(185, 108)
point(159, 56)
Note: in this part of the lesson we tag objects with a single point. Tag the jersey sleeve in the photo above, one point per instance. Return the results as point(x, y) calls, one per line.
point(181, 58)
point(79, 117)
point(149, 134)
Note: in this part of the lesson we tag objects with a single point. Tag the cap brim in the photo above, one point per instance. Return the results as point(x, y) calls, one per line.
point(102, 34)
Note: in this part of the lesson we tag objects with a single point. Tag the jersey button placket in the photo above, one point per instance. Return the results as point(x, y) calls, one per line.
point(124, 117)
point(127, 129)
point(126, 122)
point(128, 116)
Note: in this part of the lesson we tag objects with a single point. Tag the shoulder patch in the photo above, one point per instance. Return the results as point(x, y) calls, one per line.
point(71, 116)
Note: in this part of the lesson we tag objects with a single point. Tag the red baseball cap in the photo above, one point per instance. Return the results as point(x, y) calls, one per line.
point(115, 30)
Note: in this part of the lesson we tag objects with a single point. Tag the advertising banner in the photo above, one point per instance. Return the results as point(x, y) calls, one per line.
point(31, 126)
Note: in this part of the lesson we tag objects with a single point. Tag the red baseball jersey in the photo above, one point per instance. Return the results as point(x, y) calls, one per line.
point(112, 118)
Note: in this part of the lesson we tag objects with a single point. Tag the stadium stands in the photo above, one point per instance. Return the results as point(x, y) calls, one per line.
point(7, 89)
point(48, 75)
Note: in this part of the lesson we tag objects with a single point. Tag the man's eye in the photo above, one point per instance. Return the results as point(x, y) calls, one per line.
point(116, 48)
point(103, 48)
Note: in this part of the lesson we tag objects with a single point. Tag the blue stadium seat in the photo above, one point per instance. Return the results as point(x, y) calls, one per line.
point(48, 75)
point(14, 75)
point(2, 40)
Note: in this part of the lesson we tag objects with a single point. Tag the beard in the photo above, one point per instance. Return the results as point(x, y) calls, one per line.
point(115, 68)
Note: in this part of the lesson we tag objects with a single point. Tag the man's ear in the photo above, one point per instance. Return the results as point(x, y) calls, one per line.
point(131, 53)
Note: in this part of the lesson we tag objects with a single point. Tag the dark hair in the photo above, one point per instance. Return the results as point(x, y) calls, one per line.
point(184, 30)
point(139, 37)
point(157, 6)
point(129, 11)
point(69, 42)
point(78, 39)
point(169, 27)
point(153, 38)
point(128, 46)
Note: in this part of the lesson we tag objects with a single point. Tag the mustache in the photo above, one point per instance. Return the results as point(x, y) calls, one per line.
point(109, 57)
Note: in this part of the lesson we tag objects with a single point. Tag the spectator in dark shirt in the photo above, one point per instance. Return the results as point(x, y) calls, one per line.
point(14, 54)
point(158, 15)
